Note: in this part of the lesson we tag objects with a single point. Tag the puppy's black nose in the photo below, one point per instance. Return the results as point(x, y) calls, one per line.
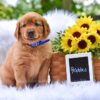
point(31, 34)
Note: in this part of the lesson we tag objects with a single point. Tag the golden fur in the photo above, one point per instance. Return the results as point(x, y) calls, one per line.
point(25, 64)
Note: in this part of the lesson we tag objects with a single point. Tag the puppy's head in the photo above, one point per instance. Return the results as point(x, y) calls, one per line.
point(32, 28)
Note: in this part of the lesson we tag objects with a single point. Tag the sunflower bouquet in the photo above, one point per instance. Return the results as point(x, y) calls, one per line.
point(84, 36)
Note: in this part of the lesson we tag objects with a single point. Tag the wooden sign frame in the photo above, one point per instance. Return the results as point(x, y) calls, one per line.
point(80, 55)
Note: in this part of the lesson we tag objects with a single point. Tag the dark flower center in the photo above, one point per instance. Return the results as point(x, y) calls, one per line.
point(69, 42)
point(82, 44)
point(92, 39)
point(85, 26)
point(77, 34)
point(98, 32)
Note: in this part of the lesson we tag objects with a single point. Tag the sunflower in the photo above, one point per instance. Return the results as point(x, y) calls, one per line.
point(68, 43)
point(83, 45)
point(84, 22)
point(96, 27)
point(76, 31)
point(93, 37)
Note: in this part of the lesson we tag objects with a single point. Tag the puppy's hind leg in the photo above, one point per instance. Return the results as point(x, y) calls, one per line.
point(6, 78)
point(0, 74)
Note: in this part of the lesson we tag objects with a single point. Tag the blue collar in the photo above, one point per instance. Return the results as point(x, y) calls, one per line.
point(39, 43)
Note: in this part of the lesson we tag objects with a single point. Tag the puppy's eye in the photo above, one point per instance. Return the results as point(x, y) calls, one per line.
point(38, 23)
point(24, 25)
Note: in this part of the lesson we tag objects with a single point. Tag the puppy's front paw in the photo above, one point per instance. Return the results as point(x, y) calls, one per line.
point(20, 85)
point(42, 82)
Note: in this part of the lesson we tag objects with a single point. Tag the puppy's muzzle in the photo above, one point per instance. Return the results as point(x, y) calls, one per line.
point(31, 35)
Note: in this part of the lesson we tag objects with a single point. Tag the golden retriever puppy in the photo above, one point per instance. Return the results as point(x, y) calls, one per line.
point(28, 60)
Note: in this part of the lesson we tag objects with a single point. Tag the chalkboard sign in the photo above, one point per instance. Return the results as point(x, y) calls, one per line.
point(79, 67)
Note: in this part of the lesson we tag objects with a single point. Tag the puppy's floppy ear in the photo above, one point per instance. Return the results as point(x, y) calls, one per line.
point(17, 31)
point(46, 28)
